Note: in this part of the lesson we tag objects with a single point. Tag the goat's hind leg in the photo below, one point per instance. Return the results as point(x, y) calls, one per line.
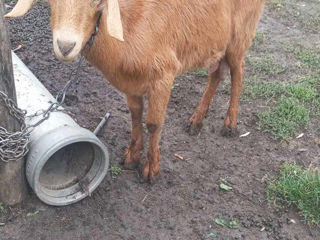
point(216, 75)
point(236, 64)
point(134, 151)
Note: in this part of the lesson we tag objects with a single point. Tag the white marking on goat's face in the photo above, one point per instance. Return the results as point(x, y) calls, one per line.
point(72, 23)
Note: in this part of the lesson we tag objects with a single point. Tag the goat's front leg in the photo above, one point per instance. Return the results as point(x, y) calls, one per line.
point(158, 97)
point(133, 153)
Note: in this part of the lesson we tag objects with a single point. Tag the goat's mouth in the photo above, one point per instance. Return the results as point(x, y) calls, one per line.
point(67, 44)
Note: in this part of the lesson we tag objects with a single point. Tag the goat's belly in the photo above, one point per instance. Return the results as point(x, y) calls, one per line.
point(209, 61)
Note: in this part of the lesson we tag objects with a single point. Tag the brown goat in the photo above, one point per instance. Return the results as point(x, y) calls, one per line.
point(162, 38)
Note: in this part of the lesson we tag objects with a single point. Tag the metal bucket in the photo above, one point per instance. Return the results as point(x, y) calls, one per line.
point(65, 163)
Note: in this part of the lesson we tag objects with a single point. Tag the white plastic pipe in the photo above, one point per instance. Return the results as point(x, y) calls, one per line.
point(65, 163)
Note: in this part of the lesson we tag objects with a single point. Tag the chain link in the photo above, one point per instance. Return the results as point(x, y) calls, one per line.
point(14, 146)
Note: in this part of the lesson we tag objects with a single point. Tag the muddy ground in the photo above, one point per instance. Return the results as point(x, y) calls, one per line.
point(186, 199)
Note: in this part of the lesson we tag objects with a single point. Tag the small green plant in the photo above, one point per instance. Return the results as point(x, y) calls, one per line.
point(230, 223)
point(115, 171)
point(299, 187)
point(220, 221)
point(233, 224)
point(33, 213)
point(1, 206)
point(284, 120)
point(213, 234)
point(225, 187)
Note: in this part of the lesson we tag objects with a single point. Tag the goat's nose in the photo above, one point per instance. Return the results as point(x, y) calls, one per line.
point(65, 47)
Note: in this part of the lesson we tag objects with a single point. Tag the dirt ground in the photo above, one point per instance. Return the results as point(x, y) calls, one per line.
point(186, 199)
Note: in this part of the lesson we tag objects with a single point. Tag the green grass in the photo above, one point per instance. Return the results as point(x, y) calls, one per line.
point(294, 11)
point(1, 206)
point(302, 92)
point(315, 107)
point(264, 65)
point(310, 57)
point(201, 72)
point(259, 88)
point(298, 187)
point(259, 39)
point(292, 104)
point(285, 119)
point(312, 80)
point(256, 88)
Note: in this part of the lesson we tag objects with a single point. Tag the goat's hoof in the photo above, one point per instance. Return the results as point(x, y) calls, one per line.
point(193, 129)
point(229, 132)
point(146, 176)
point(147, 179)
point(130, 165)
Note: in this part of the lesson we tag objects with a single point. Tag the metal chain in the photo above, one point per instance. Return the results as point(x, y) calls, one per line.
point(14, 146)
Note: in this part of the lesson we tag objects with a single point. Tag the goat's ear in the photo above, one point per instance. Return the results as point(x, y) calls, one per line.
point(20, 9)
point(114, 23)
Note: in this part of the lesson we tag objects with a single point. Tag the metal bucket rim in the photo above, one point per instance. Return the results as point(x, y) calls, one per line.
point(56, 146)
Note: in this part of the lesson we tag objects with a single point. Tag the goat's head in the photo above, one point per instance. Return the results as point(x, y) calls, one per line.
point(73, 22)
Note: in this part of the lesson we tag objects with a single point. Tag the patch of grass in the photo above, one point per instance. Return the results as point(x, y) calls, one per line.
point(296, 11)
point(115, 171)
point(264, 65)
point(259, 39)
point(1, 206)
point(312, 80)
point(299, 187)
point(315, 106)
point(284, 120)
point(310, 57)
point(302, 92)
point(201, 72)
point(259, 88)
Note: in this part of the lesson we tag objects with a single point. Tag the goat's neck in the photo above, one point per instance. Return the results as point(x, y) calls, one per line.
point(110, 55)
